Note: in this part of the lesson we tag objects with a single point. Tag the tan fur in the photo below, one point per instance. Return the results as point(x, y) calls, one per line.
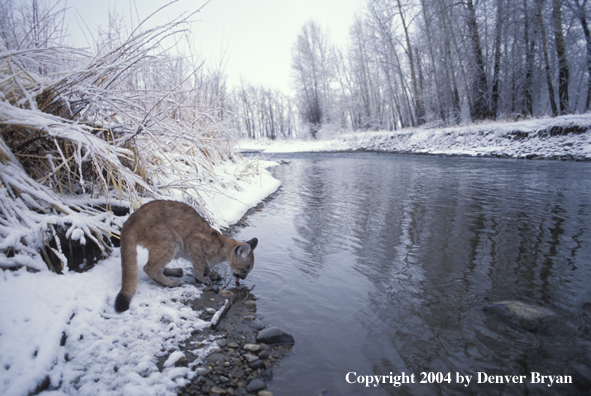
point(170, 229)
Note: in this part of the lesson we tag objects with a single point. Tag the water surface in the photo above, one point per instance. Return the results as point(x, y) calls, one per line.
point(381, 263)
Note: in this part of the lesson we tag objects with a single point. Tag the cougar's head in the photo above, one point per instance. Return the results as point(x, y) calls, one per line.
point(242, 259)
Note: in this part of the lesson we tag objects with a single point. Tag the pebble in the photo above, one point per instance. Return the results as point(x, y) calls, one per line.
point(252, 347)
point(217, 391)
point(266, 375)
point(202, 371)
point(257, 364)
point(257, 324)
point(233, 345)
point(250, 358)
point(264, 393)
point(255, 385)
point(210, 311)
point(215, 358)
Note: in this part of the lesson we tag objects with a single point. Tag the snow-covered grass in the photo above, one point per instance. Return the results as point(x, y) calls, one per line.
point(560, 137)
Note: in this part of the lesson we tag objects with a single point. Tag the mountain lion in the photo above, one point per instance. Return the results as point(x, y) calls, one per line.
point(170, 229)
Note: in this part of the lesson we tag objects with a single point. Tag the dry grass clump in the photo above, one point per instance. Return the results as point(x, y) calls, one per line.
point(77, 129)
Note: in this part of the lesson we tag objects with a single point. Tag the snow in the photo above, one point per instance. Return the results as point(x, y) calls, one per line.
point(64, 329)
point(560, 137)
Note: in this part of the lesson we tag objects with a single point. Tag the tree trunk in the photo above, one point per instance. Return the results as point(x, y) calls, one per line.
point(432, 59)
point(497, 58)
point(420, 113)
point(481, 110)
point(529, 65)
point(546, 60)
point(563, 74)
point(580, 11)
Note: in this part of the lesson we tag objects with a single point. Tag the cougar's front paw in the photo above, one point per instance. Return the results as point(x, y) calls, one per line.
point(175, 282)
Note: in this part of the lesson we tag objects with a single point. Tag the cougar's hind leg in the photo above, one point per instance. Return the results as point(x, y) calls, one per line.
point(160, 255)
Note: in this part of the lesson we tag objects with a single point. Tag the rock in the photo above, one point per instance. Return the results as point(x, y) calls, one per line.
point(266, 376)
point(250, 358)
point(255, 385)
point(176, 359)
point(264, 353)
point(226, 293)
point(526, 311)
point(210, 311)
point(257, 364)
point(252, 347)
point(275, 335)
point(202, 371)
point(233, 345)
point(264, 393)
point(217, 358)
point(257, 324)
point(217, 391)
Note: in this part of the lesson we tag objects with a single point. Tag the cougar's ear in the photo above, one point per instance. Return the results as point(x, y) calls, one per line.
point(242, 250)
point(253, 243)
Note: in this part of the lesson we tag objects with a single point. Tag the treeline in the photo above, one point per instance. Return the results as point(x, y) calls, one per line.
point(415, 62)
point(261, 112)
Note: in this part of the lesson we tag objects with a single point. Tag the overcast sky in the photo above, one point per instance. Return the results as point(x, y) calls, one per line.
point(256, 34)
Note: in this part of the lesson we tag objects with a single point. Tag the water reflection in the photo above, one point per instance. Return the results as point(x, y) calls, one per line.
point(383, 263)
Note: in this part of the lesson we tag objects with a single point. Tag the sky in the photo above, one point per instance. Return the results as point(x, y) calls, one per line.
point(254, 37)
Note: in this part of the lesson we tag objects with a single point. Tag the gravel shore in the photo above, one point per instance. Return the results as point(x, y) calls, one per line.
point(236, 363)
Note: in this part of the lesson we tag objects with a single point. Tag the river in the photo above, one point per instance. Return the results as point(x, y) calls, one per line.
point(407, 265)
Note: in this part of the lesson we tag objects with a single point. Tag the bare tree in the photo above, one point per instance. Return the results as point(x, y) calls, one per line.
point(312, 59)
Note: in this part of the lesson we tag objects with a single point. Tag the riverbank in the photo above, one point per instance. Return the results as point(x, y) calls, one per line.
point(566, 137)
point(60, 334)
point(240, 361)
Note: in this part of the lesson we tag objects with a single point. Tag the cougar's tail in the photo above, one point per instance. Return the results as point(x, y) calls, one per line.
point(128, 273)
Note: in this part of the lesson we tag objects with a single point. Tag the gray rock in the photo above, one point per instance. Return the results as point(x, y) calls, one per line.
point(524, 310)
point(251, 347)
point(266, 376)
point(257, 324)
point(202, 371)
point(256, 385)
point(257, 364)
point(250, 358)
point(217, 391)
point(275, 335)
point(217, 358)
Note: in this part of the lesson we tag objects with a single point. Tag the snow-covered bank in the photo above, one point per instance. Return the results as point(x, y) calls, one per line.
point(566, 137)
point(61, 333)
